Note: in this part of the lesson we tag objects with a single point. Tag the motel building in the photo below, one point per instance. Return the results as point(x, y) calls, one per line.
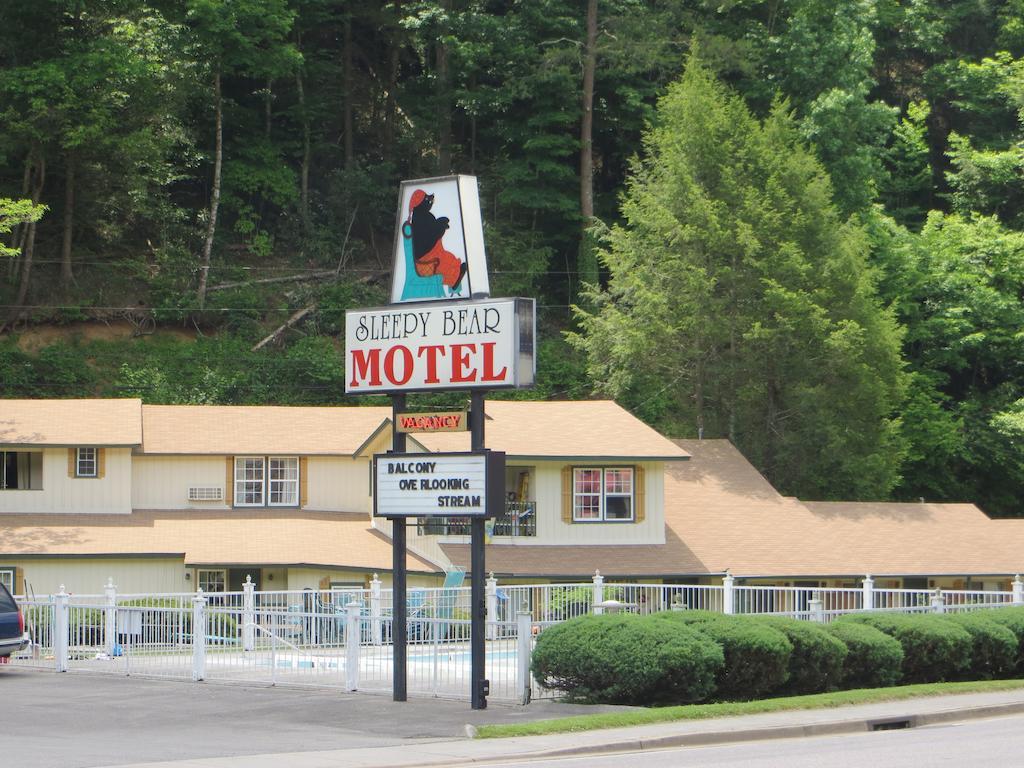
point(177, 498)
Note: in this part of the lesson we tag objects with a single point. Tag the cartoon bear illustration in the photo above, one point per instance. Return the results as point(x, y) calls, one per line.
point(429, 254)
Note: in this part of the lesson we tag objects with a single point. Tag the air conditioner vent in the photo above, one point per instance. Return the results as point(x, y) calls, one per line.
point(205, 493)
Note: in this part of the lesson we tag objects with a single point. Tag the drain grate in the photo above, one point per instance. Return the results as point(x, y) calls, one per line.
point(891, 724)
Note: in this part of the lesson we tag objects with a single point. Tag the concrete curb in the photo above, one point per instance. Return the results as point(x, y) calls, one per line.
point(859, 725)
point(831, 728)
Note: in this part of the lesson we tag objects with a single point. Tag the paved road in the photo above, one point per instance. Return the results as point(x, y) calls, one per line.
point(994, 742)
point(74, 720)
point(78, 720)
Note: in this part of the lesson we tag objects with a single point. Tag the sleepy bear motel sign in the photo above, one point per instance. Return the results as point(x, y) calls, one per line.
point(441, 331)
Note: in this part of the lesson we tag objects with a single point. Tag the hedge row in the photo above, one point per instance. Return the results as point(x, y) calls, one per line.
point(688, 656)
point(627, 659)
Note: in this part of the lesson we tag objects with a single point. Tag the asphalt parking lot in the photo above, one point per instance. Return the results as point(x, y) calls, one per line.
point(76, 720)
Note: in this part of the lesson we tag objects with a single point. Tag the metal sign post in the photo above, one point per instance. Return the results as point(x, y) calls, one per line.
point(398, 582)
point(478, 623)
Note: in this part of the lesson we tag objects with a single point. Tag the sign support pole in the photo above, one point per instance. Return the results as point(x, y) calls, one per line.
point(478, 624)
point(398, 580)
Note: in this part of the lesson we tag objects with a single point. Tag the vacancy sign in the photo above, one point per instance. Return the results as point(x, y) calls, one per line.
point(484, 344)
point(438, 484)
point(450, 421)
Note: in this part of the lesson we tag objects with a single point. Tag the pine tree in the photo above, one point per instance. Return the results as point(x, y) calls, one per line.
point(741, 305)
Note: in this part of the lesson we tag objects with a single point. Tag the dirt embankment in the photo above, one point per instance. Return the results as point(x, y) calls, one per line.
point(35, 337)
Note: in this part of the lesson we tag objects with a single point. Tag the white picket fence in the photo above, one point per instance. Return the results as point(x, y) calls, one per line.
point(342, 638)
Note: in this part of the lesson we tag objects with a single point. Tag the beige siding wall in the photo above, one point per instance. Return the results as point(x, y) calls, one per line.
point(88, 576)
point(312, 578)
point(338, 484)
point(551, 529)
point(110, 494)
point(162, 482)
point(546, 491)
point(333, 483)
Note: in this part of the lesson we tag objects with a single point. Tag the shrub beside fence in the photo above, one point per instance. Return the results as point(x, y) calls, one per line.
point(873, 658)
point(773, 656)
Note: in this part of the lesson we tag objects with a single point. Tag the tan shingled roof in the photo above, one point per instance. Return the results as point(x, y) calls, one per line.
point(721, 514)
point(555, 429)
point(580, 561)
point(236, 429)
point(70, 422)
point(209, 537)
point(731, 518)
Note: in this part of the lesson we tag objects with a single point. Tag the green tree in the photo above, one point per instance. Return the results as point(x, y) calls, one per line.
point(823, 58)
point(14, 213)
point(236, 38)
point(741, 305)
point(959, 298)
point(987, 173)
point(907, 184)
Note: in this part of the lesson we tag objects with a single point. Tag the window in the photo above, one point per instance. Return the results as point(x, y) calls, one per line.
point(86, 464)
point(263, 480)
point(249, 482)
point(284, 482)
point(212, 580)
point(7, 578)
point(602, 494)
point(21, 470)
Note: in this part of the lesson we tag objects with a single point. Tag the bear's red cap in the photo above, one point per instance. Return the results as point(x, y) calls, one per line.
point(417, 198)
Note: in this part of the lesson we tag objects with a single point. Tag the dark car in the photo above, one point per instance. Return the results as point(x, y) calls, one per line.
point(12, 625)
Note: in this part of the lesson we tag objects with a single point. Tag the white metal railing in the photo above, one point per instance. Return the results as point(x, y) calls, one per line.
point(342, 637)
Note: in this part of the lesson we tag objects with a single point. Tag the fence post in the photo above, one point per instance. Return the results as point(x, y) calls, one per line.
point(868, 601)
point(61, 629)
point(598, 592)
point(524, 648)
point(352, 637)
point(1018, 590)
point(938, 602)
point(728, 594)
point(817, 608)
point(110, 616)
point(248, 615)
point(376, 623)
point(491, 589)
point(199, 636)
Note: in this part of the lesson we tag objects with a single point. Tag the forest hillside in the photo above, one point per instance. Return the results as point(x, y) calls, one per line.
point(797, 224)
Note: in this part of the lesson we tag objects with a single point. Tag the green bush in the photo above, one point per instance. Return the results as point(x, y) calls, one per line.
point(1013, 620)
point(934, 650)
point(993, 646)
point(693, 617)
point(816, 664)
point(756, 655)
point(626, 659)
point(873, 658)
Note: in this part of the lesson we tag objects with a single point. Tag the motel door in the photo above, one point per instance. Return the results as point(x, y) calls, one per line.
point(236, 578)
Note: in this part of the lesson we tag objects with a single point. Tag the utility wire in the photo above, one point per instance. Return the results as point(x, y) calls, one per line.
point(295, 270)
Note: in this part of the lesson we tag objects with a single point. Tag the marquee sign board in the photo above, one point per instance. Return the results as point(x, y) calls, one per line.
point(439, 241)
point(444, 421)
point(485, 344)
point(438, 484)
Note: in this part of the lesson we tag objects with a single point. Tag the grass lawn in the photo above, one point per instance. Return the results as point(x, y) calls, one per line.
point(726, 709)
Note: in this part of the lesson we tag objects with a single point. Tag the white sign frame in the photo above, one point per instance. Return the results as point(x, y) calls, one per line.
point(432, 484)
point(435, 347)
point(461, 242)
